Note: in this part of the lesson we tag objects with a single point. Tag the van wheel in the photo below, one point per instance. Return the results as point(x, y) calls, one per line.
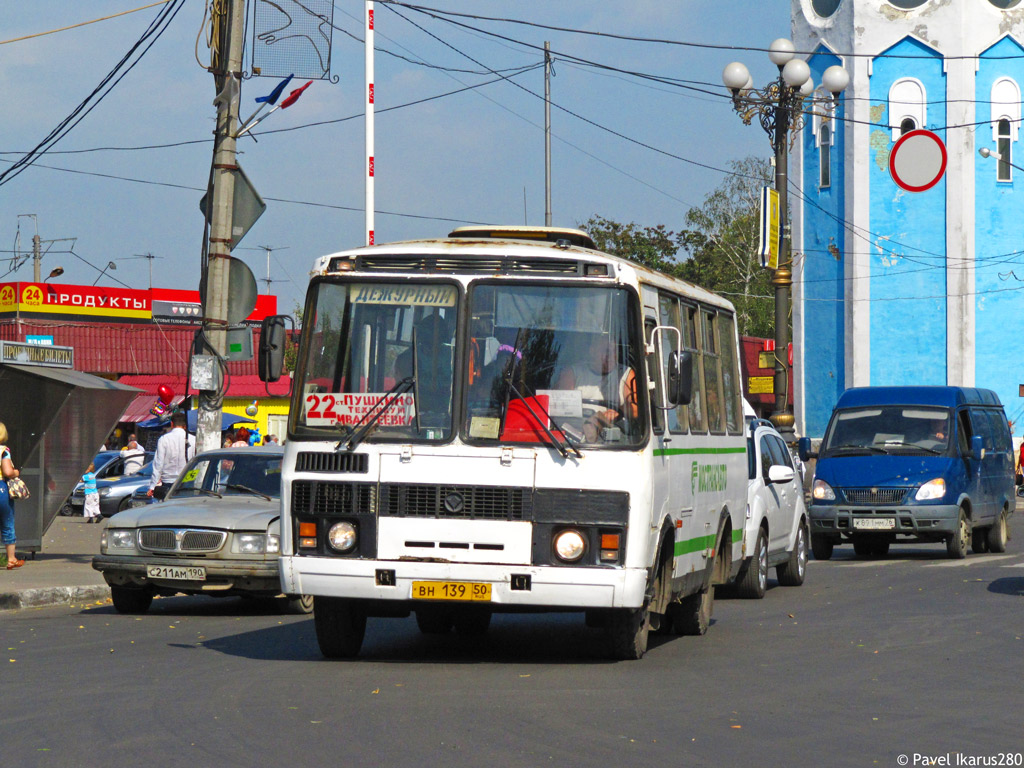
point(340, 627)
point(753, 581)
point(979, 540)
point(821, 546)
point(956, 544)
point(998, 533)
point(792, 572)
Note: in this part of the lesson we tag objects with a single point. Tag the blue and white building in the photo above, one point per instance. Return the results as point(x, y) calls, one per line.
point(894, 287)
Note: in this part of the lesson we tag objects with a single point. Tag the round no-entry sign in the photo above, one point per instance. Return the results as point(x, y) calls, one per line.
point(918, 161)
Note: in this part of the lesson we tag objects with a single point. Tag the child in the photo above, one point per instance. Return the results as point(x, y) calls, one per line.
point(92, 496)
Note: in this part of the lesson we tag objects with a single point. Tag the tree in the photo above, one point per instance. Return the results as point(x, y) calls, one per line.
point(720, 241)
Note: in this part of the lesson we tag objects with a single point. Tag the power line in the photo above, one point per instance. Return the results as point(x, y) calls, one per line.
point(83, 23)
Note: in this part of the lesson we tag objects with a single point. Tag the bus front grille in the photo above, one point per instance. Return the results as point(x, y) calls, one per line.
point(319, 461)
point(310, 497)
point(456, 501)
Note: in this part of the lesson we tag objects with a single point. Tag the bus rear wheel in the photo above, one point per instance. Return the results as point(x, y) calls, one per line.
point(340, 627)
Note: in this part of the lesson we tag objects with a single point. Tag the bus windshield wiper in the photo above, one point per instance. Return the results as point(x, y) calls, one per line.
point(369, 421)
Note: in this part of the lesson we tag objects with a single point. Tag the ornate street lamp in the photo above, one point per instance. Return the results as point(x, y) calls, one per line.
point(780, 106)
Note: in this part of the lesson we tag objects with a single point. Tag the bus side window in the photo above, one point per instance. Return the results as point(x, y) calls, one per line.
point(730, 373)
point(712, 379)
point(657, 420)
point(691, 332)
point(668, 307)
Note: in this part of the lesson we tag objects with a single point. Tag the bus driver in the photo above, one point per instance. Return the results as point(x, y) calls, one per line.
point(603, 381)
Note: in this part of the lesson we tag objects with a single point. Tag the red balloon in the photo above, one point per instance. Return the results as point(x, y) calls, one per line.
point(165, 393)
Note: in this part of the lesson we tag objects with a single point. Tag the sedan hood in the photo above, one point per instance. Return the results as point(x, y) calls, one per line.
point(888, 471)
point(232, 513)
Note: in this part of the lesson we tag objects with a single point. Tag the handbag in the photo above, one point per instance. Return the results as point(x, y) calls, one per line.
point(17, 489)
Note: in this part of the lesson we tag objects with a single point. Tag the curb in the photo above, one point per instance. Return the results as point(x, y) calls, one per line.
point(46, 596)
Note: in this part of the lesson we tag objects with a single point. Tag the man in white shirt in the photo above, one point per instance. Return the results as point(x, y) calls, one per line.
point(133, 456)
point(172, 453)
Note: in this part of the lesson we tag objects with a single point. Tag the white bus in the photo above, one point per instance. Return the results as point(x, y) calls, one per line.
point(507, 420)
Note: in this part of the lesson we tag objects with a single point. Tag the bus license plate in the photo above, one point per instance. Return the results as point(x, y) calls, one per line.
point(451, 590)
point(176, 572)
point(874, 523)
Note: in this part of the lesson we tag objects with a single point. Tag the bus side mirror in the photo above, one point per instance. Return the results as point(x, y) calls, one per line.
point(272, 342)
point(680, 378)
point(804, 449)
point(977, 448)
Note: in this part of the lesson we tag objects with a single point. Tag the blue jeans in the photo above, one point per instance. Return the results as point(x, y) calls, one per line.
point(6, 515)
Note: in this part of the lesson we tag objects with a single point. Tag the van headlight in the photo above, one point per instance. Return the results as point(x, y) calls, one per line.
point(822, 491)
point(933, 489)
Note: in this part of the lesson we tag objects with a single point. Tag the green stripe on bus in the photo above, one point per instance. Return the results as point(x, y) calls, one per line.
point(696, 451)
point(701, 543)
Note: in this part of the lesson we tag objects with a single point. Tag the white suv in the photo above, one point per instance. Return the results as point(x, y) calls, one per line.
point(775, 531)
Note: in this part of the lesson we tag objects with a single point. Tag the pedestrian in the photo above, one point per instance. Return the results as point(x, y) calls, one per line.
point(7, 536)
point(227, 440)
point(241, 438)
point(172, 453)
point(92, 495)
point(133, 455)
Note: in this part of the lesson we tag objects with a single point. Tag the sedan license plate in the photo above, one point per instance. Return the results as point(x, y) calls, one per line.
point(176, 572)
point(451, 590)
point(874, 523)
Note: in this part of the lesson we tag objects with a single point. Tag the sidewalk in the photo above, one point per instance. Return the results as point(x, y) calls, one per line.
point(61, 573)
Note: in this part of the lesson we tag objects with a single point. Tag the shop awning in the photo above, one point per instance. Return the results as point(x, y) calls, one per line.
point(138, 409)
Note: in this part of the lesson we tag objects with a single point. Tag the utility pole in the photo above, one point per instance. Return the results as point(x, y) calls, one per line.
point(547, 134)
point(225, 60)
point(369, 127)
point(37, 259)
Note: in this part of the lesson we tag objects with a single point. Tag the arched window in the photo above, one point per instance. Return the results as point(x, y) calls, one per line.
point(1005, 117)
point(824, 156)
point(1004, 145)
point(907, 105)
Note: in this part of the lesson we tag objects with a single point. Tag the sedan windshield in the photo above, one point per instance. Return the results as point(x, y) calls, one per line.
point(379, 361)
point(248, 472)
point(553, 364)
point(888, 429)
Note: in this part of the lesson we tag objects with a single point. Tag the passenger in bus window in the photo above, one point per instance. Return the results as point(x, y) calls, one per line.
point(605, 383)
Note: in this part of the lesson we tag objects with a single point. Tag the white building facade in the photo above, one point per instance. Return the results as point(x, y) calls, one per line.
point(894, 287)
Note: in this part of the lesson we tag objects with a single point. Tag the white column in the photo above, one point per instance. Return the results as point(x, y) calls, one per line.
point(857, 268)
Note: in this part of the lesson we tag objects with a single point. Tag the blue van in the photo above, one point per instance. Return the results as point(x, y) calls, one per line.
point(912, 464)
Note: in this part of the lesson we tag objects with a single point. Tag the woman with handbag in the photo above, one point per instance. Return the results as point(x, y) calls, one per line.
point(7, 537)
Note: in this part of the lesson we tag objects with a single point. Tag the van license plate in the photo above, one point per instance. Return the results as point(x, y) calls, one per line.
point(176, 572)
point(461, 591)
point(874, 523)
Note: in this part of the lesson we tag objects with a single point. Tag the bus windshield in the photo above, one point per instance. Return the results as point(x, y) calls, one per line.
point(380, 360)
point(553, 364)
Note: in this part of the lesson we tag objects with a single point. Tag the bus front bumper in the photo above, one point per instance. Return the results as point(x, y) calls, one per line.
point(512, 586)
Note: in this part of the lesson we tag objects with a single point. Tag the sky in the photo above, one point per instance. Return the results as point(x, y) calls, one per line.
point(468, 158)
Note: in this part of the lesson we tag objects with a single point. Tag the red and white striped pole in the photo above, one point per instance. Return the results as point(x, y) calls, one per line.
point(369, 122)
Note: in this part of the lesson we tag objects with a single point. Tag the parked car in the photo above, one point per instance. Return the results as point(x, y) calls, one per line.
point(114, 486)
point(216, 533)
point(776, 531)
point(926, 464)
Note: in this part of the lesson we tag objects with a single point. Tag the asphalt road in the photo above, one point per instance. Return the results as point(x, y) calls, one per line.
point(868, 661)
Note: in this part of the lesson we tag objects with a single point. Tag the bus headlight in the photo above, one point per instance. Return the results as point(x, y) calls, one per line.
point(342, 536)
point(570, 545)
point(933, 489)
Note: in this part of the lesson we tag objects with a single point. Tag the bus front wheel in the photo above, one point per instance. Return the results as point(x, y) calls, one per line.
point(340, 627)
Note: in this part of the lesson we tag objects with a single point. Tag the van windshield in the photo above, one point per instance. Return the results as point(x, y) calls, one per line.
point(888, 429)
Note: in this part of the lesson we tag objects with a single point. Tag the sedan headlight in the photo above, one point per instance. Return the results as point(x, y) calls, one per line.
point(570, 546)
point(118, 538)
point(822, 491)
point(342, 536)
point(933, 489)
point(249, 543)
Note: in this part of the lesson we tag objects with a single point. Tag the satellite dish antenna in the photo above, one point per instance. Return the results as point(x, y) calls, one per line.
point(241, 291)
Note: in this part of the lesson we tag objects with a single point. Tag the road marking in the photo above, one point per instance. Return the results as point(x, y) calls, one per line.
point(976, 560)
point(869, 563)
